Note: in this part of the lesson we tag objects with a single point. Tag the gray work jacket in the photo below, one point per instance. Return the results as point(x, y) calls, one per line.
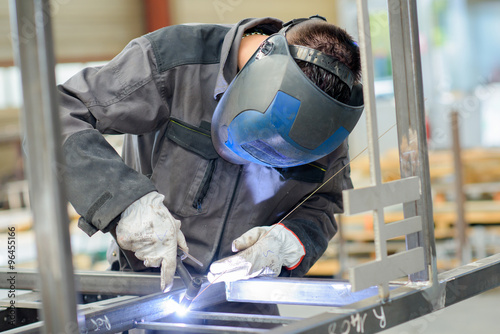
point(161, 91)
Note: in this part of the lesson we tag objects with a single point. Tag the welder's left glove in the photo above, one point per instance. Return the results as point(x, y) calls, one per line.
point(263, 251)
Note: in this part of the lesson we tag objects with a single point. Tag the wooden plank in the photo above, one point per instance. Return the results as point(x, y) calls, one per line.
point(480, 164)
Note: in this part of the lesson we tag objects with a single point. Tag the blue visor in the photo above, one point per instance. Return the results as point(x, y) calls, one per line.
point(273, 146)
point(273, 115)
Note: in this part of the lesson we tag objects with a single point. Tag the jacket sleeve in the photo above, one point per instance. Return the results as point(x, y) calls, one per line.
point(124, 96)
point(314, 222)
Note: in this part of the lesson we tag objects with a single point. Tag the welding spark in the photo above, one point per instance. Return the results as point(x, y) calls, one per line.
point(173, 306)
point(181, 310)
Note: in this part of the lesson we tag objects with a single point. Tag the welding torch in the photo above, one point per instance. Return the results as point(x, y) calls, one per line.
point(193, 284)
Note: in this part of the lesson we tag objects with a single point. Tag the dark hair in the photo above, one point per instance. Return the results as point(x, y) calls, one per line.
point(334, 41)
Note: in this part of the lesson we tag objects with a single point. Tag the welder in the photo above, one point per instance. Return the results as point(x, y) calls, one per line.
point(227, 128)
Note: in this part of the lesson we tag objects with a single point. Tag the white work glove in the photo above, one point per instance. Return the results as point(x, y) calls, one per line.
point(148, 229)
point(264, 250)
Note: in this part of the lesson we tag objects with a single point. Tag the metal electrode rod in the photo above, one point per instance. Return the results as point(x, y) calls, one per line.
point(34, 56)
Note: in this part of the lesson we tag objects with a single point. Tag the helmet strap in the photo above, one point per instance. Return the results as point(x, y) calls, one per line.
point(323, 60)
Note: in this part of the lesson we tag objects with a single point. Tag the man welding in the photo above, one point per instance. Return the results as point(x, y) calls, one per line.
point(228, 129)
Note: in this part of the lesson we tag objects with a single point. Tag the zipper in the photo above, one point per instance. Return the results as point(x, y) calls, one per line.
point(236, 184)
point(234, 193)
point(205, 185)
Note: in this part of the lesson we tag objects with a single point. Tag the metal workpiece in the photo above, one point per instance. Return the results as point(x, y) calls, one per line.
point(410, 117)
point(35, 328)
point(123, 313)
point(129, 314)
point(471, 279)
point(188, 328)
point(261, 318)
point(407, 302)
point(302, 291)
point(368, 78)
point(97, 282)
point(34, 56)
point(226, 323)
point(380, 195)
point(359, 312)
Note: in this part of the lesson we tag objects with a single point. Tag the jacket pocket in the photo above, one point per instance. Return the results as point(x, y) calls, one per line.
point(184, 172)
point(195, 139)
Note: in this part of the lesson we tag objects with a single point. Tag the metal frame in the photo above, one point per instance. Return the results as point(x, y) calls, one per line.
point(413, 189)
point(406, 303)
point(34, 56)
point(367, 311)
point(351, 311)
point(410, 116)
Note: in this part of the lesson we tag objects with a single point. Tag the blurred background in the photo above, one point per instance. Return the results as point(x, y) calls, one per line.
point(460, 50)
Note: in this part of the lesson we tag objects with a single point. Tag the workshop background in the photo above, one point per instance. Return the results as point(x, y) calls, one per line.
point(460, 50)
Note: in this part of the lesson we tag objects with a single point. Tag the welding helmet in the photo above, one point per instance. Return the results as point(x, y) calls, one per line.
point(272, 114)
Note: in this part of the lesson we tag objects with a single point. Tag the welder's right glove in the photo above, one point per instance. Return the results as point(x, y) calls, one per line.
point(149, 230)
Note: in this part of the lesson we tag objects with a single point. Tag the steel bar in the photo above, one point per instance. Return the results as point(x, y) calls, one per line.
point(372, 129)
point(127, 314)
point(472, 279)
point(406, 303)
point(32, 301)
point(34, 56)
point(97, 282)
point(29, 300)
point(342, 251)
point(83, 308)
point(34, 328)
point(460, 224)
point(186, 328)
point(306, 291)
point(410, 116)
point(303, 291)
point(270, 319)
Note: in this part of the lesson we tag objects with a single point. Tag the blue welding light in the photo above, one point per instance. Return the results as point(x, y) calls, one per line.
point(181, 310)
point(173, 306)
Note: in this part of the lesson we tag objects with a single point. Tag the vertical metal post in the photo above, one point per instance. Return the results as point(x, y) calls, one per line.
point(460, 224)
point(365, 45)
point(342, 247)
point(32, 37)
point(410, 115)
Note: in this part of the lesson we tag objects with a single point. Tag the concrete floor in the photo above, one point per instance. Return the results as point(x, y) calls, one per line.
point(479, 314)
